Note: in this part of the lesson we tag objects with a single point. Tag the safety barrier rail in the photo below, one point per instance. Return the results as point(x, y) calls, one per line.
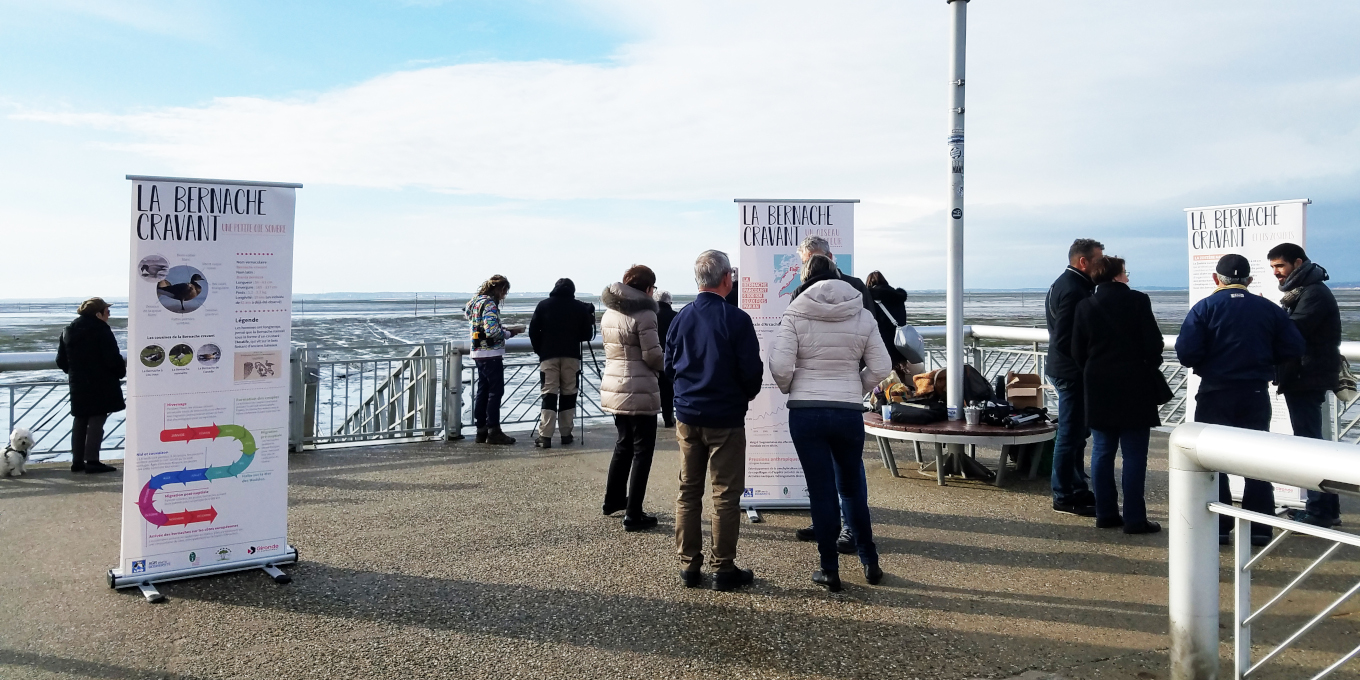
point(377, 398)
point(44, 409)
point(1198, 454)
point(409, 391)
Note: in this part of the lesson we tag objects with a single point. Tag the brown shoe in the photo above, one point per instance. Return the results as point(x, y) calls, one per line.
point(499, 438)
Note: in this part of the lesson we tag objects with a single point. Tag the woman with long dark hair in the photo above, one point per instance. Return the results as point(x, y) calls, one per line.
point(890, 311)
point(1117, 344)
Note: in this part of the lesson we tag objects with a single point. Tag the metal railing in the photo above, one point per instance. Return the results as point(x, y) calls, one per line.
point(522, 402)
point(44, 409)
point(385, 393)
point(1198, 453)
point(351, 398)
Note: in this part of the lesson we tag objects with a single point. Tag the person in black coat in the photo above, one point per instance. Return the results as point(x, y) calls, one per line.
point(1118, 346)
point(890, 311)
point(88, 353)
point(665, 314)
point(1305, 382)
point(556, 330)
point(1071, 494)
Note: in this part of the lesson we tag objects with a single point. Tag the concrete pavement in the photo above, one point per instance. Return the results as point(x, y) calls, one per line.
point(469, 561)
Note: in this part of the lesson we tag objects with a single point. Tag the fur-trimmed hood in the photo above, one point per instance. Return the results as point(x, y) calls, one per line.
point(626, 299)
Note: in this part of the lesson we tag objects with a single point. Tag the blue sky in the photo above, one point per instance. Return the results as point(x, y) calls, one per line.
point(440, 142)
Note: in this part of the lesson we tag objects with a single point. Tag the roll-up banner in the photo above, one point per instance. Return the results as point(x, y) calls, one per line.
point(1249, 230)
point(768, 274)
point(205, 483)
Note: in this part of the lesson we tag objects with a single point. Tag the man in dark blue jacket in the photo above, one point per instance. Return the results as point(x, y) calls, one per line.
point(1306, 382)
point(1235, 339)
point(713, 359)
point(1071, 493)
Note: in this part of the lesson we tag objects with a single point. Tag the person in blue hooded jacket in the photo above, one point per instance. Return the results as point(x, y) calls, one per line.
point(1235, 339)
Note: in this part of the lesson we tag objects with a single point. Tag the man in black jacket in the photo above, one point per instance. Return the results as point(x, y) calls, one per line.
point(558, 327)
point(665, 314)
point(1071, 493)
point(1305, 382)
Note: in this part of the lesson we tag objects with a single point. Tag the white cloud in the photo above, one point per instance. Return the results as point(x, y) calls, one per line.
point(1091, 106)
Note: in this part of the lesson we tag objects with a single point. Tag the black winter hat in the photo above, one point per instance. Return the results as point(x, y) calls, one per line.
point(1233, 265)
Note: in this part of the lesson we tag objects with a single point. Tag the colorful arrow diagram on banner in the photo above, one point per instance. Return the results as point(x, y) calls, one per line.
point(146, 502)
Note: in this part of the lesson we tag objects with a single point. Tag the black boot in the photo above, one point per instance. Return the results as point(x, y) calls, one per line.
point(642, 522)
point(543, 442)
point(481, 435)
point(499, 438)
point(873, 574)
point(567, 440)
point(730, 580)
point(831, 580)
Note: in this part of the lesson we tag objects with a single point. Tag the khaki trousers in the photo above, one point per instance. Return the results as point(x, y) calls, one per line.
point(557, 377)
point(721, 452)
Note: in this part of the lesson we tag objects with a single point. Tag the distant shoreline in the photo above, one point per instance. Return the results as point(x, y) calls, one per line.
point(397, 296)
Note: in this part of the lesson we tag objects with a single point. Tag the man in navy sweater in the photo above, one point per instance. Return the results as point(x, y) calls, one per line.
point(1234, 339)
point(713, 359)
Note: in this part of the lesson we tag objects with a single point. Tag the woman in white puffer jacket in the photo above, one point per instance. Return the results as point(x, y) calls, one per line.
point(827, 355)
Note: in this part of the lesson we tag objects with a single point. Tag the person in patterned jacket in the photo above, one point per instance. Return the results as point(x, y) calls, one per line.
point(488, 353)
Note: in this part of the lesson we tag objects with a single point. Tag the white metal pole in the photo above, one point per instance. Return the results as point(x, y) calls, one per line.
point(1192, 559)
point(954, 250)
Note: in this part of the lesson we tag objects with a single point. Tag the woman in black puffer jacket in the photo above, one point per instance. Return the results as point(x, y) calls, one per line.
point(88, 353)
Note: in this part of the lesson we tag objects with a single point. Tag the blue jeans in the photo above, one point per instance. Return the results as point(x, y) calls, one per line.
point(486, 404)
point(830, 444)
point(1069, 447)
point(1305, 414)
point(1134, 445)
point(1248, 409)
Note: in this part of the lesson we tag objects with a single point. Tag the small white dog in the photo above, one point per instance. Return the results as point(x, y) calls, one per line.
point(16, 454)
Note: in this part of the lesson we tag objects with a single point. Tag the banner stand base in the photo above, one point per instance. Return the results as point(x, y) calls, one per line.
point(146, 584)
point(753, 507)
point(150, 593)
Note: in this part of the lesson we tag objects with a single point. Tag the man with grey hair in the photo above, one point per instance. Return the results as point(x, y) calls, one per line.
point(816, 245)
point(713, 361)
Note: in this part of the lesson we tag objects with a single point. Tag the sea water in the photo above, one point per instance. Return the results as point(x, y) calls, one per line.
point(34, 326)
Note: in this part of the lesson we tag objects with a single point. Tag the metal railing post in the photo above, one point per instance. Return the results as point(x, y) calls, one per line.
point(429, 385)
point(311, 379)
point(295, 399)
point(1241, 597)
point(1192, 557)
point(453, 392)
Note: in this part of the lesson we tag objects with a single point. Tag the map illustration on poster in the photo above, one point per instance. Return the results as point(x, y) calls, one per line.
point(768, 268)
point(1249, 230)
point(205, 484)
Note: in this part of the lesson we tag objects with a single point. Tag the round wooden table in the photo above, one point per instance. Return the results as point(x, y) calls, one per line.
point(1024, 441)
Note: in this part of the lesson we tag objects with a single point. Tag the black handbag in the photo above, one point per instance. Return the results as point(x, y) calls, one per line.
point(920, 413)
